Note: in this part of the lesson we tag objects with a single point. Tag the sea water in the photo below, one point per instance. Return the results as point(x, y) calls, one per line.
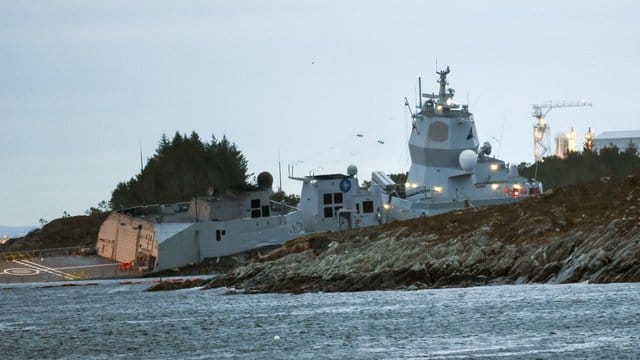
point(114, 321)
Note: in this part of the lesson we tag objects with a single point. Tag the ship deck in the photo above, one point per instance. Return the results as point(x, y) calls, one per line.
point(60, 268)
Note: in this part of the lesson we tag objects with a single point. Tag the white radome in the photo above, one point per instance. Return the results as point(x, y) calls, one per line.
point(468, 160)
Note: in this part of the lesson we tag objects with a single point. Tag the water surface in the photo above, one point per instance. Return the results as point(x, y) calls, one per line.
point(110, 321)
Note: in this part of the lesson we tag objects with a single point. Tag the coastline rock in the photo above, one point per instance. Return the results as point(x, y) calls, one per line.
point(572, 234)
point(178, 285)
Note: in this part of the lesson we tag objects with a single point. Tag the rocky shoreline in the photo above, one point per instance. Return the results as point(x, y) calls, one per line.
point(573, 234)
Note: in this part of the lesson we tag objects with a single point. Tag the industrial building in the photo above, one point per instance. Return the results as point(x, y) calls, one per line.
point(621, 139)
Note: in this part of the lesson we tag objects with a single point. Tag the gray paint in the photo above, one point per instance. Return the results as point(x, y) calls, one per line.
point(442, 176)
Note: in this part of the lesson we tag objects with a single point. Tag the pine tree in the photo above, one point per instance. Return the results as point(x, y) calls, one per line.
point(587, 166)
point(182, 168)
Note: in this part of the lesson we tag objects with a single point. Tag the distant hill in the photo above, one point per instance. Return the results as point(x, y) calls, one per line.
point(63, 232)
point(15, 231)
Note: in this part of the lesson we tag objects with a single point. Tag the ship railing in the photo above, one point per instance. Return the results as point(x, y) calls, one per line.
point(156, 209)
point(281, 206)
point(42, 253)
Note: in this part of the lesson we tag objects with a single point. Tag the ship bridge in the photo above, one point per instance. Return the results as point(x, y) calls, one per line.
point(443, 144)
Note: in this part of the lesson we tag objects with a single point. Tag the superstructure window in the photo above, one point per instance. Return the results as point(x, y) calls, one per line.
point(337, 198)
point(256, 210)
point(328, 212)
point(326, 199)
point(367, 207)
point(218, 235)
point(266, 210)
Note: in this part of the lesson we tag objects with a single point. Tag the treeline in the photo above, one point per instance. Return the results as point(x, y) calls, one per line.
point(182, 168)
point(583, 167)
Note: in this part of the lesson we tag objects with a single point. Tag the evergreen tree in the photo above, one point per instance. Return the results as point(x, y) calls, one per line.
point(583, 167)
point(182, 168)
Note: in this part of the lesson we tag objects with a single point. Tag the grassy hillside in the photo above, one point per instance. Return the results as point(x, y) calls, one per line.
point(63, 232)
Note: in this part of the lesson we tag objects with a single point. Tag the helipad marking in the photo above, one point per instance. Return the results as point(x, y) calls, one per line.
point(46, 269)
point(21, 271)
point(50, 270)
point(85, 266)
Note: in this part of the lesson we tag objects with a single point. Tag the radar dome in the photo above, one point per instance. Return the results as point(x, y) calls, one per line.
point(468, 160)
point(352, 170)
point(265, 180)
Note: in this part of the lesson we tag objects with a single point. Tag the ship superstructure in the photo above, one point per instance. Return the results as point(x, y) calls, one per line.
point(161, 237)
point(335, 202)
point(449, 169)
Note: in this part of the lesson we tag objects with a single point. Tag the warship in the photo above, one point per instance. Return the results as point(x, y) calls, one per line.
point(153, 238)
point(164, 237)
point(449, 171)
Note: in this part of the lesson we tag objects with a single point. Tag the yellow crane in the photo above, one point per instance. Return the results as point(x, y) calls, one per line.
point(541, 131)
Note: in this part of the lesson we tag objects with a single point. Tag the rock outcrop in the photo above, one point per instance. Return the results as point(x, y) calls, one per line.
point(573, 234)
point(177, 285)
point(74, 231)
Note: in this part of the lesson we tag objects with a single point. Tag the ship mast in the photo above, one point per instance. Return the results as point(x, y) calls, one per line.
point(442, 94)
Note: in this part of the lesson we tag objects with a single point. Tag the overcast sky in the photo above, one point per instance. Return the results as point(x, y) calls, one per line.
point(86, 84)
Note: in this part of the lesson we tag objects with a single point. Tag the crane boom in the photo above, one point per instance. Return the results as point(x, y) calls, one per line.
point(537, 109)
point(541, 131)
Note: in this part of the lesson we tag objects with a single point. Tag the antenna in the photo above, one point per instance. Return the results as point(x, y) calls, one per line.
point(504, 119)
point(419, 92)
point(140, 156)
point(195, 195)
point(436, 64)
point(279, 172)
point(406, 103)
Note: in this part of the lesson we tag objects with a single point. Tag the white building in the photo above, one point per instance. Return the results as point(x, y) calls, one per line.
point(566, 143)
point(620, 139)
